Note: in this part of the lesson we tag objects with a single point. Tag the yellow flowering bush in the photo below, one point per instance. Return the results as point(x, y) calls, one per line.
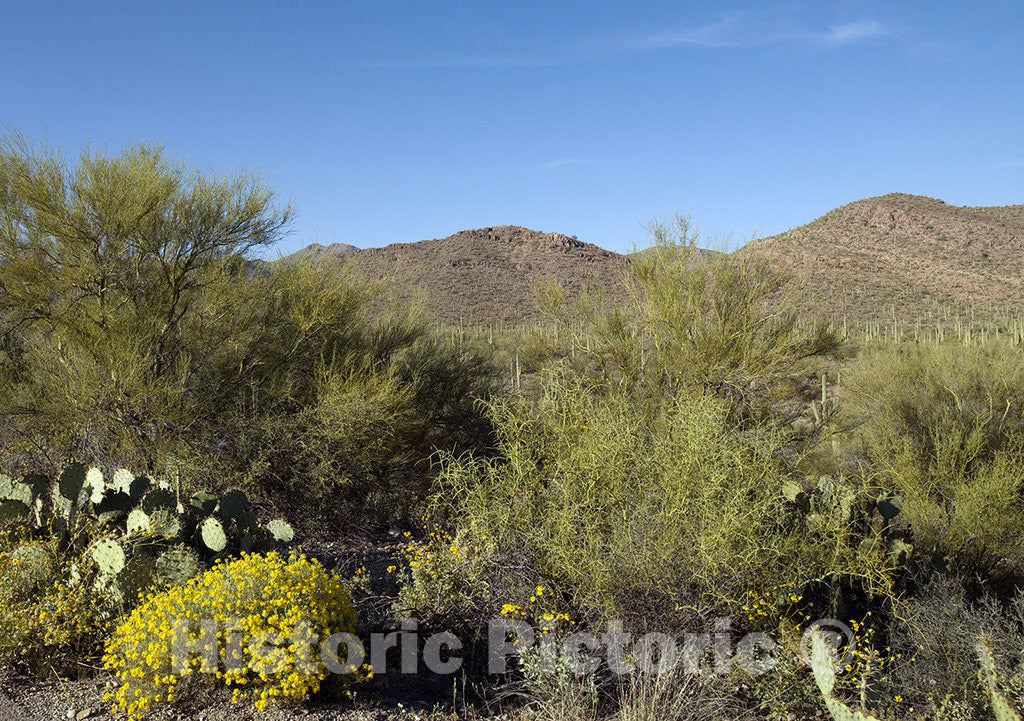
point(543, 611)
point(253, 625)
point(48, 619)
point(440, 576)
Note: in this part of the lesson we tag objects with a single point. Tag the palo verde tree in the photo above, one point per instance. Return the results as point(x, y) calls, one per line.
point(136, 330)
point(104, 263)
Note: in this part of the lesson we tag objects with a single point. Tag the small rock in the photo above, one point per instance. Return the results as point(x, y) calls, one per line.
point(83, 714)
point(70, 714)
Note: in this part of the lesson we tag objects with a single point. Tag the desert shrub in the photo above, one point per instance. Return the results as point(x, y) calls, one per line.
point(136, 328)
point(641, 514)
point(268, 610)
point(647, 475)
point(936, 648)
point(942, 426)
point(443, 581)
point(102, 266)
point(715, 322)
point(49, 620)
point(360, 408)
point(906, 394)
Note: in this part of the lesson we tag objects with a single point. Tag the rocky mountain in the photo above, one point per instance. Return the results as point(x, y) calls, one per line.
point(917, 255)
point(907, 252)
point(486, 275)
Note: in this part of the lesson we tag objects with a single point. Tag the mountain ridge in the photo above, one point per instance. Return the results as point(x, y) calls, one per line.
point(861, 260)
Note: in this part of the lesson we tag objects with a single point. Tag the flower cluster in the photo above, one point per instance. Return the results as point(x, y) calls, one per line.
point(437, 550)
point(781, 602)
point(291, 602)
point(542, 610)
point(439, 574)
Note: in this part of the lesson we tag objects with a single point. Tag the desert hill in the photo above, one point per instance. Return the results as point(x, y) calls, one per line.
point(862, 260)
point(485, 275)
point(905, 251)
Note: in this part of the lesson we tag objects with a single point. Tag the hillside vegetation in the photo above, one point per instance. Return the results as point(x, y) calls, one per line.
point(917, 255)
point(695, 459)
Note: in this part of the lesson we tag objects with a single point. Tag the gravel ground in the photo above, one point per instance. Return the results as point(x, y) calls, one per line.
point(26, 700)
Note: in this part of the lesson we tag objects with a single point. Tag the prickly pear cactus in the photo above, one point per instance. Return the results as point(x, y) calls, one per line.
point(164, 524)
point(213, 535)
point(32, 563)
point(137, 523)
point(281, 530)
point(95, 485)
point(12, 512)
point(204, 502)
point(71, 486)
point(159, 498)
point(823, 664)
point(175, 567)
point(122, 481)
point(233, 504)
point(109, 557)
point(147, 535)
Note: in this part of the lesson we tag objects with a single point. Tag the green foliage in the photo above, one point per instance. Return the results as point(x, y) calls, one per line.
point(49, 619)
point(105, 267)
point(697, 320)
point(134, 326)
point(908, 393)
point(678, 509)
point(135, 534)
point(943, 427)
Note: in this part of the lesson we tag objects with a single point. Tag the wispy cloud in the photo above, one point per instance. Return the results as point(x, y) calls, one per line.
point(737, 30)
point(473, 62)
point(849, 33)
point(746, 31)
point(719, 34)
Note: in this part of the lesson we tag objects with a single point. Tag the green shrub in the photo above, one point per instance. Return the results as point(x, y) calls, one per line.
point(913, 397)
point(136, 328)
point(678, 511)
point(696, 320)
point(944, 427)
point(49, 620)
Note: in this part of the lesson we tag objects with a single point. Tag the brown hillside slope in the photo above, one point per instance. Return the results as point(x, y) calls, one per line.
point(486, 275)
point(908, 252)
point(861, 260)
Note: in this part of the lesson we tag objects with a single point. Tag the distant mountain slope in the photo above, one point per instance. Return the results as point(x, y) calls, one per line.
point(905, 251)
point(315, 250)
point(485, 275)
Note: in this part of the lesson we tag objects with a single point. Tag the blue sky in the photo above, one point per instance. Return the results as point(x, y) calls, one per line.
point(398, 121)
